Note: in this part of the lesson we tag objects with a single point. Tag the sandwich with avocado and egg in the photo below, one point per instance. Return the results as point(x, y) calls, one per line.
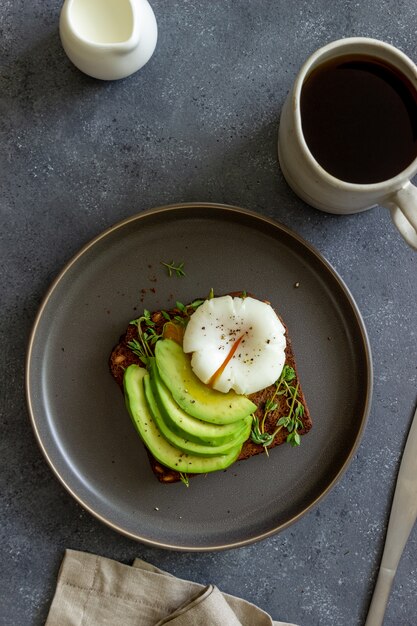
point(210, 383)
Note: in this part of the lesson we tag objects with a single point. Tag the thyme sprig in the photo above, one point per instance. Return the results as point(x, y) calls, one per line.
point(259, 437)
point(147, 334)
point(172, 268)
point(184, 479)
point(147, 337)
point(186, 310)
point(292, 422)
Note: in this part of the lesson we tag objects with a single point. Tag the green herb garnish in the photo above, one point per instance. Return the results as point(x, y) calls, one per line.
point(147, 337)
point(292, 422)
point(195, 304)
point(186, 310)
point(181, 307)
point(259, 437)
point(172, 268)
point(184, 479)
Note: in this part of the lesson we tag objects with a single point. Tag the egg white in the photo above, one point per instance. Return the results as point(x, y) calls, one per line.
point(217, 325)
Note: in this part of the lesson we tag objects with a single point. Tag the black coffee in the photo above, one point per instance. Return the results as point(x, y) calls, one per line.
point(359, 118)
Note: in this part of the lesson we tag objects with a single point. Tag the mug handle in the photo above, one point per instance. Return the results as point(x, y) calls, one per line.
point(403, 207)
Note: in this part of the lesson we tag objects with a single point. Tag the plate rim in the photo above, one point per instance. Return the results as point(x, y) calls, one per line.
point(365, 343)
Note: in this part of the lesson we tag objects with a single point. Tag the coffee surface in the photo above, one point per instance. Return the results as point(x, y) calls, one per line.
point(359, 118)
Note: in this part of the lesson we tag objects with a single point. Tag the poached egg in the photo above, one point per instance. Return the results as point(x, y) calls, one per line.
point(236, 343)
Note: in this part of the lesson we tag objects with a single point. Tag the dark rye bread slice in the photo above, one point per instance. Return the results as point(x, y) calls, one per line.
point(122, 356)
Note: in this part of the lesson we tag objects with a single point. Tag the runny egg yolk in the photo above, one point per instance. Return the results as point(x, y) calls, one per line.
point(236, 343)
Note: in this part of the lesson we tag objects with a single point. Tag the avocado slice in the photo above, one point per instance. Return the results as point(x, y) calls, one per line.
point(161, 449)
point(189, 427)
point(192, 395)
point(183, 444)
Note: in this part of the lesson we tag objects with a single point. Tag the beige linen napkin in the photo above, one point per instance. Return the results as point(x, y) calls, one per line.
point(96, 591)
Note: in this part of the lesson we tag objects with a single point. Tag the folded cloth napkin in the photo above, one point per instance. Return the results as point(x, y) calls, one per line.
point(96, 591)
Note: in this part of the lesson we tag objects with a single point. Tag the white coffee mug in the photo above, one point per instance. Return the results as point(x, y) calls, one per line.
point(314, 184)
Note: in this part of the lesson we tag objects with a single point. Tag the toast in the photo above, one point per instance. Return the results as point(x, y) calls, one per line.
point(122, 356)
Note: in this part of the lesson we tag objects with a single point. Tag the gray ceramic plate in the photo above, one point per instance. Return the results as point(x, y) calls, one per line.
point(78, 413)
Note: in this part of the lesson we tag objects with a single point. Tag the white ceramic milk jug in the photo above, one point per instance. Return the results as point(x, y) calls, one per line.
point(108, 39)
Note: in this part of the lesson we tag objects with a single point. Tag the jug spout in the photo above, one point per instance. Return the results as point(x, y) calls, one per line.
point(132, 26)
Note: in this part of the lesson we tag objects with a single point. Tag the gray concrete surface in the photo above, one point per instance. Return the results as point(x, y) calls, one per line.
point(199, 122)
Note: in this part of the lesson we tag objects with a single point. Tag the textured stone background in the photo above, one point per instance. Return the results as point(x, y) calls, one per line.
point(199, 122)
